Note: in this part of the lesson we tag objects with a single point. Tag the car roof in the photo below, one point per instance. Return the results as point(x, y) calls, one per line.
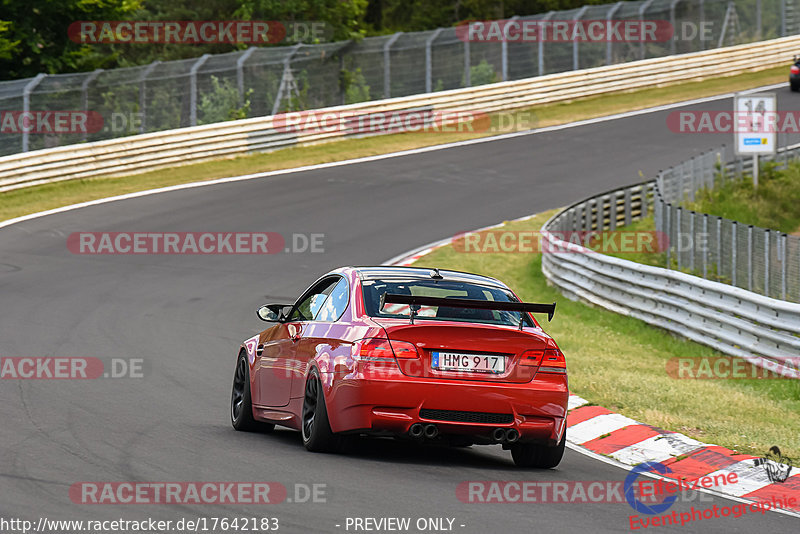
point(421, 273)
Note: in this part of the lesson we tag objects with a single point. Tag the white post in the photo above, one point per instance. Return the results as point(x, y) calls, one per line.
point(755, 171)
point(429, 60)
point(26, 106)
point(387, 65)
point(504, 48)
point(193, 88)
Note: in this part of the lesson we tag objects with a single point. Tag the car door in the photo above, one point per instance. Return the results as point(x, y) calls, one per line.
point(321, 335)
point(277, 363)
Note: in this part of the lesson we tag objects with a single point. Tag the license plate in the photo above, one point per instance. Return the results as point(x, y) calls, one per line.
point(455, 361)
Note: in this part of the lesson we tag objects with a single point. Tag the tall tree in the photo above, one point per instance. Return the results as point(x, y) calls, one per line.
point(35, 39)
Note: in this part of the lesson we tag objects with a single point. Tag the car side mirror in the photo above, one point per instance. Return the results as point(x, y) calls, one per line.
point(272, 313)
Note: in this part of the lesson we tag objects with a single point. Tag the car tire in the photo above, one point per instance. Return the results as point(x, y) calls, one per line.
point(314, 424)
point(794, 87)
point(241, 404)
point(538, 456)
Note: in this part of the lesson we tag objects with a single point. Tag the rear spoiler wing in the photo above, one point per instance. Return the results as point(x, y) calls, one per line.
point(417, 301)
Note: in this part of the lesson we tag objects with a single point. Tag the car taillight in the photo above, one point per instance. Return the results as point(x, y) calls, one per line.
point(553, 362)
point(795, 69)
point(383, 350)
point(376, 350)
point(404, 349)
point(531, 358)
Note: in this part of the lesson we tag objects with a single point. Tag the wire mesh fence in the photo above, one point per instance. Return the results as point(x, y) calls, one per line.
point(261, 81)
point(761, 260)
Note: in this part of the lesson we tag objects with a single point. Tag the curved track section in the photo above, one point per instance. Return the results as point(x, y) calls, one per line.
point(185, 315)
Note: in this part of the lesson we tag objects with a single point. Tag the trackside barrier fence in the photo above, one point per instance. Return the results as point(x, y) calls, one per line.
point(266, 80)
point(150, 151)
point(762, 330)
point(761, 260)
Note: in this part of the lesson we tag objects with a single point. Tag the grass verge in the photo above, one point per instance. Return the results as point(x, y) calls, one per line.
point(773, 204)
point(44, 197)
point(620, 363)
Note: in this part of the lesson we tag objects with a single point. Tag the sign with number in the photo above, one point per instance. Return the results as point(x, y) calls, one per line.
point(756, 123)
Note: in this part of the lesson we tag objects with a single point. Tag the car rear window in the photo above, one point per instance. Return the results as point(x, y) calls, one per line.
point(373, 289)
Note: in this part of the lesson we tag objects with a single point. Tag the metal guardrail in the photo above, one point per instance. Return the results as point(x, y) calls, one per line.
point(759, 329)
point(761, 260)
point(146, 152)
point(268, 79)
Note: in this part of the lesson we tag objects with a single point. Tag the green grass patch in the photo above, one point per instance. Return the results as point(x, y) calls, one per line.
point(39, 198)
point(773, 204)
point(620, 363)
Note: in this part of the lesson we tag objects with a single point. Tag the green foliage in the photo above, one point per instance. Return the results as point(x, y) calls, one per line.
point(36, 38)
point(481, 74)
point(222, 103)
point(772, 205)
point(355, 86)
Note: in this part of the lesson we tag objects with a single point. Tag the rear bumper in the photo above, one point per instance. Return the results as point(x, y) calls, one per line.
point(538, 408)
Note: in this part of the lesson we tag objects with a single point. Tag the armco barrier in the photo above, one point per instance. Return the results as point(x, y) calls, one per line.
point(761, 330)
point(142, 153)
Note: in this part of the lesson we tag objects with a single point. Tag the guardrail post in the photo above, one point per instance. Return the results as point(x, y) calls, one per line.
point(704, 250)
point(575, 54)
point(193, 88)
point(702, 20)
point(734, 248)
point(240, 72)
point(429, 59)
point(678, 213)
point(719, 247)
point(85, 95)
point(612, 211)
point(783, 255)
point(672, 42)
point(693, 237)
point(627, 204)
point(26, 106)
point(387, 64)
point(504, 48)
point(758, 19)
point(642, 10)
point(547, 17)
point(766, 262)
point(668, 231)
point(750, 257)
point(609, 17)
point(143, 94)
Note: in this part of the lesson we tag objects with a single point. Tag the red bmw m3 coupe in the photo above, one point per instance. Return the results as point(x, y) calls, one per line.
point(415, 353)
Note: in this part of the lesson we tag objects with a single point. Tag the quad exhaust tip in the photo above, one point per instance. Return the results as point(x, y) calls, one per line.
point(502, 435)
point(416, 430)
point(512, 435)
point(431, 431)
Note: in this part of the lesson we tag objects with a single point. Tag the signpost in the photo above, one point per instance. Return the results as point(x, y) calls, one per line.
point(756, 131)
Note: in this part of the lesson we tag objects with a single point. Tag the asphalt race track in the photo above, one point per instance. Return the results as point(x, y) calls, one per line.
point(185, 315)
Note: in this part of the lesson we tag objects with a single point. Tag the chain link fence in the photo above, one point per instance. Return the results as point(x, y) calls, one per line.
point(764, 261)
point(263, 81)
